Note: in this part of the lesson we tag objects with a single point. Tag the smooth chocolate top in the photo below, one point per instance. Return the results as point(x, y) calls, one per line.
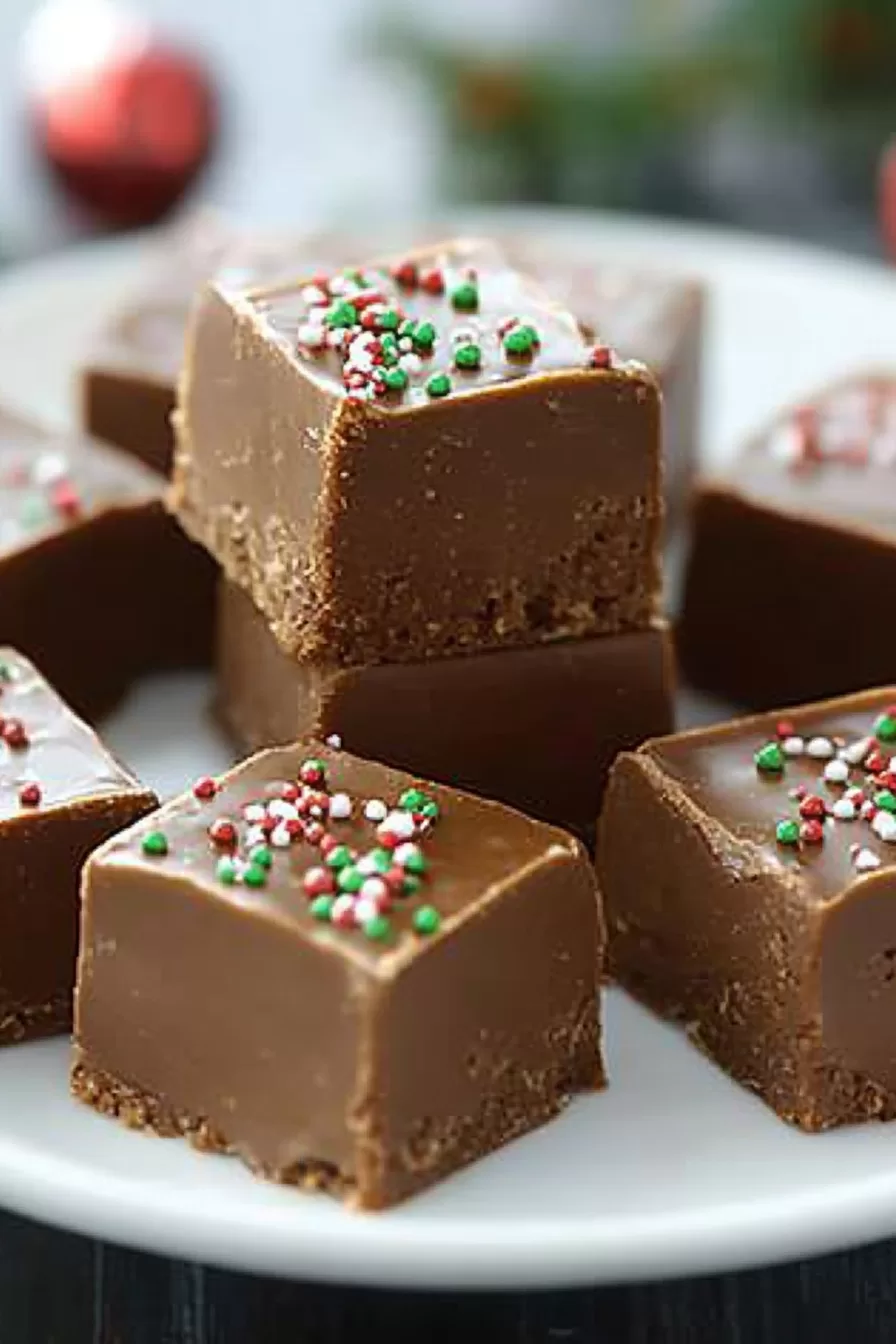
point(50, 481)
point(442, 321)
point(833, 456)
point(457, 851)
point(819, 799)
point(43, 744)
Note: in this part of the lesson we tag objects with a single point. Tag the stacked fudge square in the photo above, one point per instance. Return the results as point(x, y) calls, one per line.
point(437, 509)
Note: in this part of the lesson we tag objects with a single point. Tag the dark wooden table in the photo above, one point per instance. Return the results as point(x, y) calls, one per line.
point(60, 1289)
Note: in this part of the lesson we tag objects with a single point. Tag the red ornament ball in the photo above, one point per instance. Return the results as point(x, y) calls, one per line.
point(125, 125)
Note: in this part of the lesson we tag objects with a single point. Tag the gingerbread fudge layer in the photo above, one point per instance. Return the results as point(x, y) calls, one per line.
point(534, 728)
point(129, 379)
point(61, 795)
point(791, 552)
point(97, 583)
point(749, 873)
point(417, 459)
point(371, 981)
point(648, 315)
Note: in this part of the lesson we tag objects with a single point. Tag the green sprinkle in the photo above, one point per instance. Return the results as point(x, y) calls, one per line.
point(155, 844)
point(381, 859)
point(338, 857)
point(395, 379)
point(262, 855)
point(787, 833)
point(411, 885)
point(416, 864)
point(769, 759)
point(465, 297)
point(321, 907)
point(886, 800)
point(427, 920)
point(350, 879)
point(341, 314)
point(439, 385)
point(521, 340)
point(424, 337)
point(390, 320)
point(409, 327)
point(377, 929)
point(226, 871)
point(468, 356)
point(412, 800)
point(255, 875)
point(885, 728)
point(430, 810)
point(5, 672)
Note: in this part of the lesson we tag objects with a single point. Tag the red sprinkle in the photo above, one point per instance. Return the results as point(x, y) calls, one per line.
point(405, 274)
point(813, 807)
point(311, 773)
point(65, 499)
point(812, 832)
point(875, 761)
point(432, 281)
point(295, 828)
point(887, 780)
point(30, 795)
point(601, 357)
point(318, 882)
point(394, 879)
point(222, 833)
point(205, 788)
point(784, 728)
point(290, 793)
point(13, 733)
point(325, 843)
point(315, 834)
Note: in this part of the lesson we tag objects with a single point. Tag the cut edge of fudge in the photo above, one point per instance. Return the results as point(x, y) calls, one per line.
point(400, 1108)
point(778, 994)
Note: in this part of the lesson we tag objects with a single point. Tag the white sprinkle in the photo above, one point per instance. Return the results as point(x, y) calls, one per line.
point(343, 907)
point(884, 826)
point(821, 748)
point(311, 335)
point(367, 865)
point(844, 809)
point(255, 835)
point(365, 910)
point(334, 741)
point(405, 344)
point(398, 823)
point(48, 468)
point(312, 295)
point(865, 860)
point(856, 752)
point(836, 772)
point(405, 853)
point(340, 284)
point(336, 338)
point(374, 889)
point(375, 810)
point(340, 806)
point(793, 746)
point(867, 810)
point(280, 838)
point(255, 812)
point(411, 364)
point(279, 807)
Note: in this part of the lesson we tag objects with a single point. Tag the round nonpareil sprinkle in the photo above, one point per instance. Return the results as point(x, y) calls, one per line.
point(426, 920)
point(205, 788)
point(439, 385)
point(836, 771)
point(883, 824)
point(14, 734)
point(468, 356)
point(820, 748)
point(375, 810)
point(793, 745)
point(787, 833)
point(155, 844)
point(769, 759)
point(865, 860)
point(30, 795)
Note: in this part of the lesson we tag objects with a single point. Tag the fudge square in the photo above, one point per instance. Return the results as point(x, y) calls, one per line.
point(350, 979)
point(749, 873)
point(535, 728)
point(647, 314)
point(791, 551)
point(419, 458)
point(98, 584)
point(128, 381)
point(61, 794)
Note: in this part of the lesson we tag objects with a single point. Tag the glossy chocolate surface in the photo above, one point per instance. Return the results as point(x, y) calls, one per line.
point(366, 1040)
point(525, 511)
point(82, 534)
point(61, 794)
point(534, 728)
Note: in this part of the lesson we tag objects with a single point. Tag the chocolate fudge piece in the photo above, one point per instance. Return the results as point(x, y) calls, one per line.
point(97, 582)
point(749, 873)
point(494, 483)
point(791, 552)
point(61, 795)
point(128, 381)
point(535, 728)
point(654, 316)
point(371, 982)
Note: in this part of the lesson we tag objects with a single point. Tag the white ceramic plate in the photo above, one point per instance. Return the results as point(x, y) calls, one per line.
point(674, 1170)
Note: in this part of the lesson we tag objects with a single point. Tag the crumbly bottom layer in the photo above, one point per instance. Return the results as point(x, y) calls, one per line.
point(429, 1153)
point(32, 1021)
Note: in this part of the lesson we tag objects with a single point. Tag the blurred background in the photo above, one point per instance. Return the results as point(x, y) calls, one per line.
point(771, 115)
